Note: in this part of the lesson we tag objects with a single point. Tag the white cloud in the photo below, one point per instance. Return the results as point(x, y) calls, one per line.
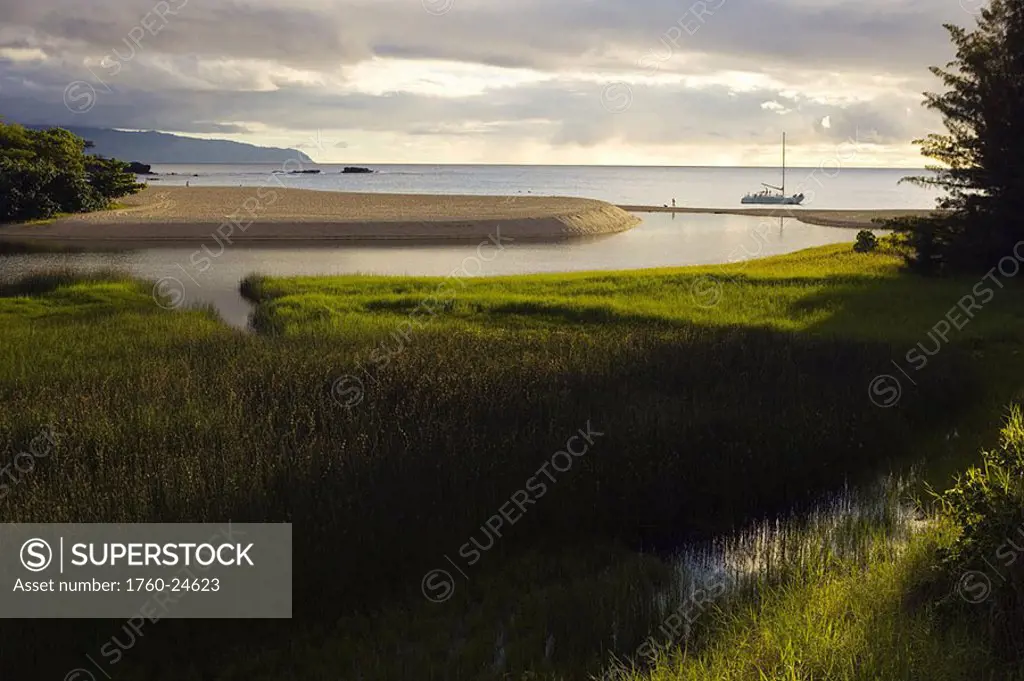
point(489, 80)
point(774, 107)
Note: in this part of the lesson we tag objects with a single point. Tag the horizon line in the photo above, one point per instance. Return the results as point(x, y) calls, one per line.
point(532, 165)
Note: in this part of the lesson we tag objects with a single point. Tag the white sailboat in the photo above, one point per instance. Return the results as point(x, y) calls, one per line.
point(772, 195)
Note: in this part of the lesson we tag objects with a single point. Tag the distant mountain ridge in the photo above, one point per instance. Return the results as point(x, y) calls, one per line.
point(162, 147)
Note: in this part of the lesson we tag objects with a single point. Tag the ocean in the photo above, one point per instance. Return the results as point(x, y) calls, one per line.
point(662, 240)
point(828, 187)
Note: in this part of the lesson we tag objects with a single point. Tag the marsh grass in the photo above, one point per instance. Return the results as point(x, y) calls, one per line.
point(829, 291)
point(857, 621)
point(712, 418)
point(52, 280)
point(765, 566)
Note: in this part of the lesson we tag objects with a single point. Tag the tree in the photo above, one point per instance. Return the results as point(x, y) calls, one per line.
point(981, 215)
point(46, 172)
point(109, 177)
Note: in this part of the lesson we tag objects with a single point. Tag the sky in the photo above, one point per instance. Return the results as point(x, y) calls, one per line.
point(613, 82)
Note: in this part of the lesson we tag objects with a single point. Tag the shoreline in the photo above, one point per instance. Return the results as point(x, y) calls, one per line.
point(58, 244)
point(172, 217)
point(826, 217)
point(165, 216)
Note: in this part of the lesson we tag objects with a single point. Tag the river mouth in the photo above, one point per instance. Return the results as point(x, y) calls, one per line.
point(210, 275)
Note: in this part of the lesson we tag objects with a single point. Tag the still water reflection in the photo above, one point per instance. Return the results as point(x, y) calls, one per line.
point(661, 240)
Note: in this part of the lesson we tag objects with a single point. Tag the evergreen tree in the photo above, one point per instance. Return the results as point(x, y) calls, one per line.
point(981, 215)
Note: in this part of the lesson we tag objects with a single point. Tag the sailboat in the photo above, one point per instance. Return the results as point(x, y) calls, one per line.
point(772, 195)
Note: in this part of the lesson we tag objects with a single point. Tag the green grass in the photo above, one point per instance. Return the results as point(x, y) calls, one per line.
point(825, 291)
point(713, 417)
point(892, 610)
point(829, 292)
point(856, 621)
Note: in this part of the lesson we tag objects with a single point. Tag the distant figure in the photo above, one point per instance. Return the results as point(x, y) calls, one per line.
point(186, 183)
point(673, 203)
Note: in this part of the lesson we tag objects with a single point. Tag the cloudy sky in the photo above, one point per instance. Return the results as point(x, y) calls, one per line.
point(672, 82)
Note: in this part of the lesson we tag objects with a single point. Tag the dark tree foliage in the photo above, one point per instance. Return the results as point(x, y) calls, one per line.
point(981, 215)
point(110, 177)
point(46, 172)
point(866, 242)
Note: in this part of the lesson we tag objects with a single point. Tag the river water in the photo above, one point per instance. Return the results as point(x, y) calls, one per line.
point(662, 240)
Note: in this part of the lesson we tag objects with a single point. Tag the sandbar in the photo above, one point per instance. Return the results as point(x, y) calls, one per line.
point(163, 216)
point(848, 219)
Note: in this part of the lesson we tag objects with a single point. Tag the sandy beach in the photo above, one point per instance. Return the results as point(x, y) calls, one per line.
point(181, 215)
point(847, 219)
point(172, 216)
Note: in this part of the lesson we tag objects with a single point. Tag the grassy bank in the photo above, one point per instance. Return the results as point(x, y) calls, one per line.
point(828, 291)
point(855, 620)
point(709, 417)
point(935, 598)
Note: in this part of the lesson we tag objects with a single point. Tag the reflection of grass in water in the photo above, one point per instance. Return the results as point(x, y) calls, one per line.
point(16, 246)
point(842, 528)
point(20, 247)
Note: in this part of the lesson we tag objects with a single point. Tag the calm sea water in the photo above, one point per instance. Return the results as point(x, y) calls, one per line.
point(661, 240)
point(830, 186)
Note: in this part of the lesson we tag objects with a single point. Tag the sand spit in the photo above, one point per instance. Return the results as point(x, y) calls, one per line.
point(183, 215)
point(848, 219)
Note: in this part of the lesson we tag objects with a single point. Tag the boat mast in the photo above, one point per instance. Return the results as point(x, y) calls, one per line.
point(783, 164)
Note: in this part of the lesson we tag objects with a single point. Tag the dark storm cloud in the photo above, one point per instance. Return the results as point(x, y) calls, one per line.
point(900, 35)
point(156, 68)
point(297, 36)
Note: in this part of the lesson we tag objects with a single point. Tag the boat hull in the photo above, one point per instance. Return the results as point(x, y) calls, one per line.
point(773, 200)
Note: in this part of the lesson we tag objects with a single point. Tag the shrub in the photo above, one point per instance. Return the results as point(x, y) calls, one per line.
point(895, 243)
point(987, 508)
point(866, 242)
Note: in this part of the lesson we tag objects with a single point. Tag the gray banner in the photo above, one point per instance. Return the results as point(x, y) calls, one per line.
point(152, 571)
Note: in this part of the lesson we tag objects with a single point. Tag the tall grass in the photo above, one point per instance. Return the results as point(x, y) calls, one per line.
point(901, 598)
point(171, 417)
